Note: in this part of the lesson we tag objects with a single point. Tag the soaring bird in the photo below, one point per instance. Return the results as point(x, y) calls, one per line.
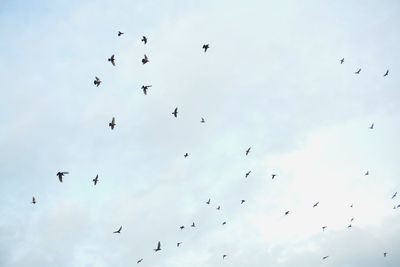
point(95, 180)
point(178, 244)
point(372, 126)
point(316, 204)
point(112, 60)
point(145, 88)
point(112, 123)
point(120, 33)
point(97, 81)
point(145, 59)
point(144, 39)
point(242, 201)
point(33, 200)
point(386, 73)
point(394, 195)
point(219, 207)
point(248, 151)
point(367, 173)
point(224, 256)
point(118, 231)
point(358, 72)
point(208, 201)
point(384, 254)
point(202, 120)
point(286, 213)
point(323, 228)
point(341, 61)
point(325, 257)
point(247, 174)
point(175, 113)
point(60, 175)
point(182, 227)
point(158, 247)
point(193, 225)
point(139, 261)
point(273, 176)
point(205, 47)
point(186, 155)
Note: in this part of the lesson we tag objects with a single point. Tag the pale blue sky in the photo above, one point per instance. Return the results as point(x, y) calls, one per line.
point(270, 80)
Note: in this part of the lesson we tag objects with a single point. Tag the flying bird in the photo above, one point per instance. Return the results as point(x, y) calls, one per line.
point(60, 175)
point(175, 113)
point(224, 256)
point(358, 72)
point(182, 227)
point(247, 174)
point(178, 244)
point(112, 60)
point(394, 195)
point(145, 88)
point(193, 225)
point(97, 81)
point(202, 120)
point(219, 207)
point(241, 202)
point(323, 228)
point(223, 223)
point(205, 47)
point(186, 155)
point(145, 59)
point(367, 173)
point(325, 257)
point(158, 247)
point(208, 202)
point(386, 73)
point(352, 219)
point(112, 123)
point(341, 61)
point(384, 254)
point(120, 33)
point(33, 200)
point(316, 204)
point(372, 126)
point(351, 206)
point(95, 180)
point(139, 261)
point(286, 213)
point(349, 226)
point(118, 231)
point(248, 151)
point(273, 176)
point(144, 39)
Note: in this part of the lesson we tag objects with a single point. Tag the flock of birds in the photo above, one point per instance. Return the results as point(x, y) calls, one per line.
point(145, 88)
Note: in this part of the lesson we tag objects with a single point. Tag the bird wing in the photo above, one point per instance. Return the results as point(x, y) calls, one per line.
point(65, 172)
point(159, 245)
point(145, 57)
point(113, 121)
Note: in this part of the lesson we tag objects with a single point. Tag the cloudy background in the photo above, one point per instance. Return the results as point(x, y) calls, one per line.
point(270, 80)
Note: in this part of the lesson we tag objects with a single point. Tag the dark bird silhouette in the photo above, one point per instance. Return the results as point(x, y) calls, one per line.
point(273, 176)
point(202, 120)
point(316, 204)
point(186, 155)
point(286, 213)
point(248, 151)
point(349, 226)
point(351, 205)
point(178, 244)
point(247, 174)
point(386, 73)
point(112, 123)
point(144, 39)
point(224, 256)
point(182, 227)
point(219, 207)
point(323, 228)
point(352, 219)
point(145, 88)
point(205, 47)
point(341, 61)
point(97, 81)
point(193, 225)
point(145, 59)
point(175, 113)
point(95, 180)
point(241, 202)
point(139, 261)
point(118, 231)
point(120, 33)
point(384, 254)
point(223, 223)
point(112, 60)
point(33, 200)
point(394, 195)
point(158, 247)
point(358, 72)
point(367, 173)
point(208, 202)
point(372, 126)
point(60, 175)
point(325, 257)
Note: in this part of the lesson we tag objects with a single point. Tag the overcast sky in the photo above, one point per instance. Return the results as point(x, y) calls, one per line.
point(271, 80)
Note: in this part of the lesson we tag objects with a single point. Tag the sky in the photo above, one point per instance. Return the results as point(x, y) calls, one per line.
point(271, 80)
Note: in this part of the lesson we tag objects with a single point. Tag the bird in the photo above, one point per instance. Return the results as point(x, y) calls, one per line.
point(248, 151)
point(323, 228)
point(182, 227)
point(247, 174)
point(205, 47)
point(224, 256)
point(223, 223)
point(33, 200)
point(349, 226)
point(112, 60)
point(118, 231)
point(242, 201)
point(394, 195)
point(341, 61)
point(358, 72)
point(178, 244)
point(144, 39)
point(325, 257)
point(193, 225)
point(316, 204)
point(120, 33)
point(186, 155)
point(367, 173)
point(219, 207)
point(60, 175)
point(286, 213)
point(158, 247)
point(352, 219)
point(351, 206)
point(145, 59)
point(384, 254)
point(372, 126)
point(145, 88)
point(386, 73)
point(175, 113)
point(202, 120)
point(273, 176)
point(95, 180)
point(139, 261)
point(112, 123)
point(97, 81)
point(208, 201)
